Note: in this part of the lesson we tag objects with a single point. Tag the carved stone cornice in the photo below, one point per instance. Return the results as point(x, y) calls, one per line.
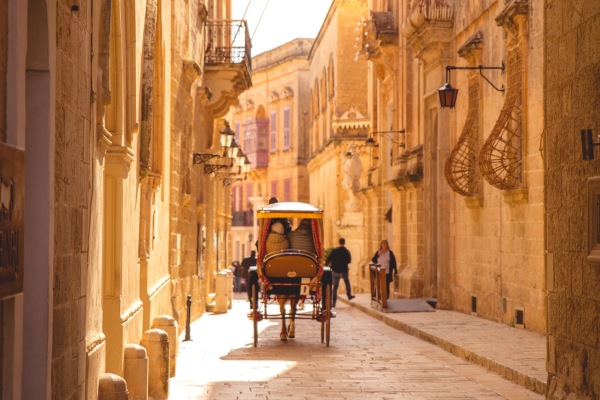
point(120, 155)
point(409, 165)
point(202, 12)
point(204, 94)
point(472, 49)
point(273, 96)
point(432, 41)
point(192, 70)
point(512, 15)
point(287, 92)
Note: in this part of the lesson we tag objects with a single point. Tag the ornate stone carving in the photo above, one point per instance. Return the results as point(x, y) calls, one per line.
point(351, 169)
point(472, 49)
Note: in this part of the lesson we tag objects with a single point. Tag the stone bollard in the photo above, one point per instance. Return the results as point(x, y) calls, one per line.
point(169, 325)
point(229, 289)
point(221, 293)
point(112, 387)
point(136, 371)
point(156, 343)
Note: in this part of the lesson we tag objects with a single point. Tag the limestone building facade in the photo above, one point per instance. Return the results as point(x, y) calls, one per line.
point(107, 102)
point(457, 192)
point(571, 71)
point(271, 126)
point(339, 120)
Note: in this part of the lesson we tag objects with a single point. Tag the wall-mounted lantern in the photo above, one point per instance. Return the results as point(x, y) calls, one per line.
point(449, 94)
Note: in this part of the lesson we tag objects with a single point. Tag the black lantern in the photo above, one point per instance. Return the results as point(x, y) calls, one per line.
point(370, 142)
point(448, 96)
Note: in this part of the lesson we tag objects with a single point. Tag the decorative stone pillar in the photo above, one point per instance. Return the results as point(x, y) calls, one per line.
point(112, 387)
point(221, 293)
point(156, 343)
point(229, 289)
point(136, 371)
point(169, 325)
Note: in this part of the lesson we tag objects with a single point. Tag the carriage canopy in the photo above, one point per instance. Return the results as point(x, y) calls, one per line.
point(290, 210)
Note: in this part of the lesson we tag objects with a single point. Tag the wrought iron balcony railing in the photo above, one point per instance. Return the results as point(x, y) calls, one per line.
point(227, 42)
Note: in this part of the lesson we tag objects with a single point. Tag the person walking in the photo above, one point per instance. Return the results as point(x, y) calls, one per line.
point(246, 264)
point(339, 258)
point(385, 257)
point(236, 270)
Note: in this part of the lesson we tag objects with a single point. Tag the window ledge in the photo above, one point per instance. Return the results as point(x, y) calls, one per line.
point(516, 196)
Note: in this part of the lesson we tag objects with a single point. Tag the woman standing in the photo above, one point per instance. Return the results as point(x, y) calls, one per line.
point(385, 257)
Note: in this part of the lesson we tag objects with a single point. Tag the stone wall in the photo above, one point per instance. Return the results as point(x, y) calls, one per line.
point(3, 67)
point(496, 236)
point(572, 70)
point(71, 207)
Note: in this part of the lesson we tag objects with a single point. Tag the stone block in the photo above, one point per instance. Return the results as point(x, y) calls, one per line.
point(169, 325)
point(221, 305)
point(136, 371)
point(156, 343)
point(112, 387)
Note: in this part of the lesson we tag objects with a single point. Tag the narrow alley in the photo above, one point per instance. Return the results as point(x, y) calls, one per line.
point(367, 360)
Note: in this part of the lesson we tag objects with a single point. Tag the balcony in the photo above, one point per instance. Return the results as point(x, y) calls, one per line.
point(242, 218)
point(379, 32)
point(227, 63)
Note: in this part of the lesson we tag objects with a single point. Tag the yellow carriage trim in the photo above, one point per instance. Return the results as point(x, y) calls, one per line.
point(289, 215)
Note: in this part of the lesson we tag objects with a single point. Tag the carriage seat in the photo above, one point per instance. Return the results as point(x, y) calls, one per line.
point(291, 264)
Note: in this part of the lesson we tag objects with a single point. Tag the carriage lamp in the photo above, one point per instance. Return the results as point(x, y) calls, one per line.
point(233, 150)
point(240, 158)
point(449, 94)
point(349, 154)
point(246, 167)
point(370, 142)
point(227, 135)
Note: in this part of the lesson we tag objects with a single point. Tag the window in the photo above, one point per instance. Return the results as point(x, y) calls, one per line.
point(273, 131)
point(273, 188)
point(234, 199)
point(248, 192)
point(286, 128)
point(287, 188)
point(237, 132)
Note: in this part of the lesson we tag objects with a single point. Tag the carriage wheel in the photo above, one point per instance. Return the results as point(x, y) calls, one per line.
point(327, 321)
point(254, 313)
point(322, 331)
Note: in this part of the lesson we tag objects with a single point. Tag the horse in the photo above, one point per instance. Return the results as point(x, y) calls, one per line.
point(288, 332)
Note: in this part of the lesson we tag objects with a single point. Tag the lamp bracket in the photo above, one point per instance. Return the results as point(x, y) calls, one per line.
point(480, 68)
point(200, 158)
point(229, 181)
point(587, 144)
point(389, 135)
point(222, 175)
point(210, 168)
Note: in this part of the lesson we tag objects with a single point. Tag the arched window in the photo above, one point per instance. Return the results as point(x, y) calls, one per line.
point(324, 89)
point(330, 78)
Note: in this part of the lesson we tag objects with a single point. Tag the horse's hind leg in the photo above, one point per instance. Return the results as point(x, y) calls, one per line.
point(292, 331)
point(283, 335)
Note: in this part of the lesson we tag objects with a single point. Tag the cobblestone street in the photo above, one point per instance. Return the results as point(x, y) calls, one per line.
point(367, 359)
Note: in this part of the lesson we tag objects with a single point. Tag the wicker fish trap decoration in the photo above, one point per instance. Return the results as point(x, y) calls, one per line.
point(461, 166)
point(501, 158)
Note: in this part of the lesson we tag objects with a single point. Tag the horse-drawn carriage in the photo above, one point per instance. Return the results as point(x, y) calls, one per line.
point(291, 274)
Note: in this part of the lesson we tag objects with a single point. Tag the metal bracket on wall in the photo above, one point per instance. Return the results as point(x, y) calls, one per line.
point(200, 158)
point(587, 144)
point(210, 168)
point(229, 181)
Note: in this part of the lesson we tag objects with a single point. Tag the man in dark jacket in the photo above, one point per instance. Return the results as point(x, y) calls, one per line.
point(339, 258)
point(246, 264)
